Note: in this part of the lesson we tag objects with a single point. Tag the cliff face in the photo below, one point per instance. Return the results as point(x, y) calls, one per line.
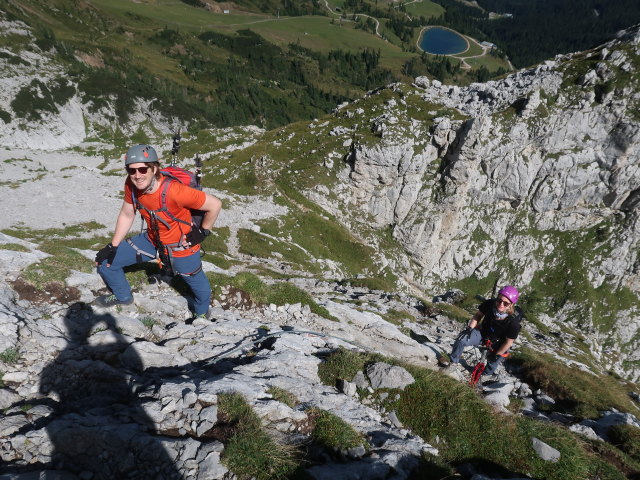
point(531, 180)
point(42, 108)
point(542, 150)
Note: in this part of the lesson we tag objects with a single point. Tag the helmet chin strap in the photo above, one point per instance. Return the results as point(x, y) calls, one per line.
point(151, 186)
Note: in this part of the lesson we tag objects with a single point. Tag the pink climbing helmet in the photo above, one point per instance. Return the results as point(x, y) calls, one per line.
point(510, 292)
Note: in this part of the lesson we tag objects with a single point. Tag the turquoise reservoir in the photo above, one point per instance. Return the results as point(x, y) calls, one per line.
point(440, 41)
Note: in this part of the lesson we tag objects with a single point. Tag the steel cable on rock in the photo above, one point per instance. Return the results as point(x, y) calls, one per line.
point(279, 334)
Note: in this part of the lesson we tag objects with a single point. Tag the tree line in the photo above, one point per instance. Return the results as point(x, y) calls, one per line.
point(291, 8)
point(257, 83)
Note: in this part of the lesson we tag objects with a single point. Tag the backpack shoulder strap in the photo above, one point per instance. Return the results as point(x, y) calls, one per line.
point(138, 206)
point(516, 315)
point(166, 183)
point(134, 200)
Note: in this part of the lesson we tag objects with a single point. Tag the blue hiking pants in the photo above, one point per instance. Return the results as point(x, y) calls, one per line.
point(126, 255)
point(472, 339)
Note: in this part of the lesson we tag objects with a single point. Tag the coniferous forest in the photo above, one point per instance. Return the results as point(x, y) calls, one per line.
point(533, 31)
point(224, 77)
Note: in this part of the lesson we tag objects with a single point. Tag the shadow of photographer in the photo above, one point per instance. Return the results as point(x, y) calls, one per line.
point(99, 424)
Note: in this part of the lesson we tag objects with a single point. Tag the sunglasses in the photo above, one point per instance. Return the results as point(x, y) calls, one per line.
point(506, 304)
point(132, 170)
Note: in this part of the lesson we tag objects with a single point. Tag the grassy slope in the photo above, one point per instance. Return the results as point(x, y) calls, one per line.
point(110, 18)
point(453, 418)
point(424, 9)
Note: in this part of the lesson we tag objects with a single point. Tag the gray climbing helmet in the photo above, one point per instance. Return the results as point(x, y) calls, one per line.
point(140, 154)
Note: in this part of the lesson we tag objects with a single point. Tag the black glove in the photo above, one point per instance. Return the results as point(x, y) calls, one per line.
point(465, 332)
point(492, 357)
point(197, 235)
point(108, 253)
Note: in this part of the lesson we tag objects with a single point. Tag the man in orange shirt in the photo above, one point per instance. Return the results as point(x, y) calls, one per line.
point(169, 234)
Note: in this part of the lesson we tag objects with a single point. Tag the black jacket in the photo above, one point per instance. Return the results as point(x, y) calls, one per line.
point(499, 330)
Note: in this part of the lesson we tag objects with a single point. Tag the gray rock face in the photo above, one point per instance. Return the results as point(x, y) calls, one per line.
point(607, 420)
point(383, 375)
point(498, 392)
point(584, 430)
point(544, 451)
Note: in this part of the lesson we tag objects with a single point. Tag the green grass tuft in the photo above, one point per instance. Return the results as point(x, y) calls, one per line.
point(283, 396)
point(237, 412)
point(454, 312)
point(287, 293)
point(217, 281)
point(217, 241)
point(344, 364)
point(372, 283)
point(332, 432)
point(148, 322)
point(138, 275)
point(252, 284)
point(396, 317)
point(581, 393)
point(57, 267)
point(10, 356)
point(279, 293)
point(250, 452)
point(67, 234)
point(16, 247)
point(627, 438)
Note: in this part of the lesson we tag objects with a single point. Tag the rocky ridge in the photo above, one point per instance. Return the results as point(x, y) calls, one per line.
point(133, 392)
point(64, 119)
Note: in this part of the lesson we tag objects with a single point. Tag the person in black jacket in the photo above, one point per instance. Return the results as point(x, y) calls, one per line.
point(497, 321)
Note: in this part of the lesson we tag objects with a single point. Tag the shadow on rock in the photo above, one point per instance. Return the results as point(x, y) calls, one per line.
point(99, 425)
point(483, 468)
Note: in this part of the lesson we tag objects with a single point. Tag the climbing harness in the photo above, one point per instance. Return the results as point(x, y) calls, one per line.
point(139, 252)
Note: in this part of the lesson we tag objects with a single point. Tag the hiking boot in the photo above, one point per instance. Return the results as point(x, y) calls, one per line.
point(443, 361)
point(110, 301)
point(202, 316)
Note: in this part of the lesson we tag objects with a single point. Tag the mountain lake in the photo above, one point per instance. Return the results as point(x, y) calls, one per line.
point(441, 41)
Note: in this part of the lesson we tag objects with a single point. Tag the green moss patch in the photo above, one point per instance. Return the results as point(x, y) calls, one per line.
point(581, 393)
